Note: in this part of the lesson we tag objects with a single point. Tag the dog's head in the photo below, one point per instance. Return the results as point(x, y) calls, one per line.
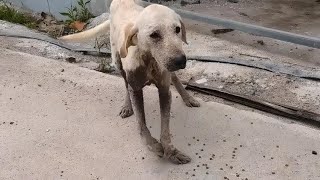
point(158, 30)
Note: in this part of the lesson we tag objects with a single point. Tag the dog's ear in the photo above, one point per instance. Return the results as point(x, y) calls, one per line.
point(130, 39)
point(183, 32)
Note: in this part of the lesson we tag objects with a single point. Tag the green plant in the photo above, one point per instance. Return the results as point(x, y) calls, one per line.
point(8, 13)
point(78, 13)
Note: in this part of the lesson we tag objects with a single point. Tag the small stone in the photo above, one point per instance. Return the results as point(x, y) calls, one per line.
point(277, 146)
point(62, 70)
point(47, 130)
point(194, 169)
point(187, 173)
point(271, 157)
point(238, 134)
point(251, 122)
point(224, 140)
point(314, 153)
point(142, 158)
point(273, 172)
point(227, 165)
point(240, 145)
point(210, 159)
point(199, 157)
point(201, 149)
point(197, 139)
point(235, 148)
point(39, 85)
point(11, 122)
point(231, 167)
point(194, 137)
point(233, 1)
point(193, 175)
point(189, 144)
point(260, 42)
point(207, 167)
point(198, 165)
point(207, 172)
point(204, 144)
point(287, 165)
point(233, 151)
point(61, 171)
point(221, 169)
point(243, 170)
point(196, 153)
point(237, 175)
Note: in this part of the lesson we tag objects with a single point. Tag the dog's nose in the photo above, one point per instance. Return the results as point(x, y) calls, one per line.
point(180, 61)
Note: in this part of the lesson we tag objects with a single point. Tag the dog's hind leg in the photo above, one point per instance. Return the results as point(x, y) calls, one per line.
point(188, 100)
point(126, 109)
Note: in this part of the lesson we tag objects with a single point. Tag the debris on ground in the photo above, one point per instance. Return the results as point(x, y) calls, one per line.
point(221, 31)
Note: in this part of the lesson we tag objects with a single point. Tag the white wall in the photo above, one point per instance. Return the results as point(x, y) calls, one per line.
point(97, 7)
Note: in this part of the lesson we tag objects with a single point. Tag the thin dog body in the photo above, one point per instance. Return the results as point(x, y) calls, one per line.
point(146, 46)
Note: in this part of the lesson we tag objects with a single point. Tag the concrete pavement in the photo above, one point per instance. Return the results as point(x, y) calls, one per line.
point(60, 121)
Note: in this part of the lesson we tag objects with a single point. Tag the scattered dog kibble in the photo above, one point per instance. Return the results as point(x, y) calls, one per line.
point(314, 153)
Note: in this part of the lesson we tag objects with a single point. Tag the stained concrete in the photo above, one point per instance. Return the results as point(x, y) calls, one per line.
point(60, 121)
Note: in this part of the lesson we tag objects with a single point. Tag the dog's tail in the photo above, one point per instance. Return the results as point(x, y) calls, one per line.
point(88, 34)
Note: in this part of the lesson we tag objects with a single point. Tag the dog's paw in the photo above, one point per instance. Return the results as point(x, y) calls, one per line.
point(191, 102)
point(157, 148)
point(126, 112)
point(177, 157)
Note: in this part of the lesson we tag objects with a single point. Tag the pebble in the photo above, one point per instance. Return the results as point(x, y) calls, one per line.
point(314, 153)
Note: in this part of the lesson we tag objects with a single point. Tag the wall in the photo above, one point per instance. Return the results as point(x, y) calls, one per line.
point(97, 7)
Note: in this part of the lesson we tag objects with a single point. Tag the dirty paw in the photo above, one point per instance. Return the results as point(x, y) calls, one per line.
point(191, 102)
point(177, 157)
point(157, 148)
point(126, 112)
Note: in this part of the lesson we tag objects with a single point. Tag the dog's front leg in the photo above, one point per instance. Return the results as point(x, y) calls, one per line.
point(137, 100)
point(170, 151)
point(187, 99)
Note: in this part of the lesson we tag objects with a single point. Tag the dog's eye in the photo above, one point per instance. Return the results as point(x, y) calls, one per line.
point(177, 30)
point(155, 35)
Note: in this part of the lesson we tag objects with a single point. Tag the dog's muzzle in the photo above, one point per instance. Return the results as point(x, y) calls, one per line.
point(178, 62)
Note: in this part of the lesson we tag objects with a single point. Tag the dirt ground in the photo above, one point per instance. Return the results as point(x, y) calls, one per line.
point(60, 121)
